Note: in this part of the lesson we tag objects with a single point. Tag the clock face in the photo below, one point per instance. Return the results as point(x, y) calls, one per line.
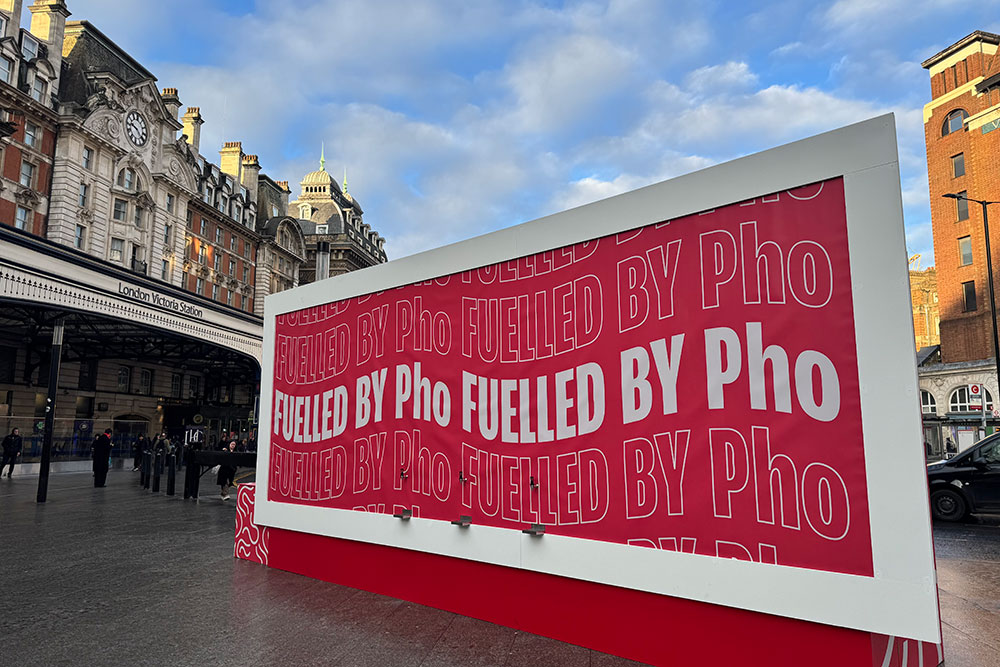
point(135, 128)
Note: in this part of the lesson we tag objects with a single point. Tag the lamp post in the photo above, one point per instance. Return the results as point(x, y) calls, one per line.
point(989, 273)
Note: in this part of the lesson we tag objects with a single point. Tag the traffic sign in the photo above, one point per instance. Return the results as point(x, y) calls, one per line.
point(975, 397)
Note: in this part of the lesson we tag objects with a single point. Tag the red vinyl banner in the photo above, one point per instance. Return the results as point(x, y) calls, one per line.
point(690, 385)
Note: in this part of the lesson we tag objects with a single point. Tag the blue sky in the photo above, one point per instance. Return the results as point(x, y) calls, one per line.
point(458, 117)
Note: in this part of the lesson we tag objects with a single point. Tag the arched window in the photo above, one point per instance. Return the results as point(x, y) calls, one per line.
point(959, 401)
point(128, 179)
point(954, 122)
point(928, 405)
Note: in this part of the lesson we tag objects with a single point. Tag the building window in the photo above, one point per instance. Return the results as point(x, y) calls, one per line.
point(80, 238)
point(23, 216)
point(217, 260)
point(145, 382)
point(124, 379)
point(6, 69)
point(170, 203)
point(215, 291)
point(969, 296)
point(165, 270)
point(38, 88)
point(27, 173)
point(176, 380)
point(232, 266)
point(229, 297)
point(29, 47)
point(31, 134)
point(117, 249)
point(128, 179)
point(959, 401)
point(84, 190)
point(218, 234)
point(120, 210)
point(928, 405)
point(965, 250)
point(88, 158)
point(168, 233)
point(87, 379)
point(202, 227)
point(963, 206)
point(232, 242)
point(246, 248)
point(246, 273)
point(199, 286)
point(137, 217)
point(958, 165)
point(238, 214)
point(202, 253)
point(190, 218)
point(954, 122)
point(193, 386)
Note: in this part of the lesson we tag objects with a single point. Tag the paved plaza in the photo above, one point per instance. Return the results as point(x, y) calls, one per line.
point(118, 576)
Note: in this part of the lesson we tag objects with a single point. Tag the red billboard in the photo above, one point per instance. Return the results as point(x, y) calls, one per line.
point(691, 385)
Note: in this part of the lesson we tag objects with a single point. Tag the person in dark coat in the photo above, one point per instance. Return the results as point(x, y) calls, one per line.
point(192, 471)
point(11, 450)
point(140, 447)
point(102, 456)
point(227, 473)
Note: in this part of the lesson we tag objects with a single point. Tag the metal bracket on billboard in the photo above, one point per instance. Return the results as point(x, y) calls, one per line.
point(405, 515)
point(536, 530)
point(463, 521)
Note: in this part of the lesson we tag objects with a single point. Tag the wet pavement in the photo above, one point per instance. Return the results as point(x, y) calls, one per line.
point(968, 561)
point(115, 577)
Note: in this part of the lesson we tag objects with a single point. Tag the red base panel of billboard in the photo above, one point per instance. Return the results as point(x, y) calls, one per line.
point(655, 629)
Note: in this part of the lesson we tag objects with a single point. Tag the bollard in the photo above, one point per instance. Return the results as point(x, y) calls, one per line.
point(142, 469)
point(157, 469)
point(171, 474)
point(147, 464)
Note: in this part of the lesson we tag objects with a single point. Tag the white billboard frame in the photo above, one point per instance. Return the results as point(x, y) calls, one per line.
point(901, 598)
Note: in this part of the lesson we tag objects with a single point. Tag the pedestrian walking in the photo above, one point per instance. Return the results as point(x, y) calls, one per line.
point(11, 450)
point(139, 449)
point(227, 472)
point(102, 457)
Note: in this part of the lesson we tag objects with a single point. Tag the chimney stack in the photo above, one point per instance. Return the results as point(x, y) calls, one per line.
point(171, 101)
point(13, 9)
point(251, 175)
point(192, 127)
point(231, 160)
point(322, 260)
point(48, 24)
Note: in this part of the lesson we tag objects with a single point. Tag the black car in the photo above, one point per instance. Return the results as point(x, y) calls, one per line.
point(967, 483)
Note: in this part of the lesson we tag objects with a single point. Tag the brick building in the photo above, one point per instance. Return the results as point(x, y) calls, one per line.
point(30, 62)
point(963, 157)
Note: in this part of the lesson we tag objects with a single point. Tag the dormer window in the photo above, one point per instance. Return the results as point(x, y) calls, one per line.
point(128, 179)
point(3, 24)
point(6, 69)
point(29, 46)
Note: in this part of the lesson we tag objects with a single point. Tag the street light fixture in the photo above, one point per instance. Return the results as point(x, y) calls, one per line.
point(989, 273)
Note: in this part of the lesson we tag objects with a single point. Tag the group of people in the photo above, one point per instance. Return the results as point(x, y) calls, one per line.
point(101, 454)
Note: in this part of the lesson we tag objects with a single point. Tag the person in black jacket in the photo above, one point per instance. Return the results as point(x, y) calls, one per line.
point(140, 447)
point(11, 450)
point(226, 472)
point(102, 456)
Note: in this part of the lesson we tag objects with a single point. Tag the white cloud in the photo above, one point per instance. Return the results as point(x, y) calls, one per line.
point(558, 83)
point(731, 77)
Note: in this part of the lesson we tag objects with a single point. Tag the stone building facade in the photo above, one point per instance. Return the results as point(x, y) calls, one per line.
point(924, 301)
point(337, 238)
